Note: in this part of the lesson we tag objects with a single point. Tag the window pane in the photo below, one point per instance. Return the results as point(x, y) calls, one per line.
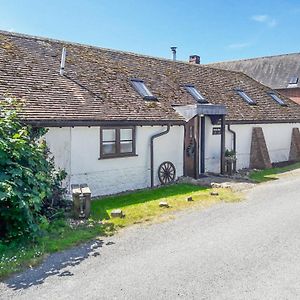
point(108, 147)
point(141, 88)
point(293, 80)
point(247, 98)
point(108, 135)
point(196, 94)
point(277, 99)
point(126, 147)
point(126, 134)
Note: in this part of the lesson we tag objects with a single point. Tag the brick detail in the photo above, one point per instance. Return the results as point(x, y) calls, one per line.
point(295, 145)
point(259, 154)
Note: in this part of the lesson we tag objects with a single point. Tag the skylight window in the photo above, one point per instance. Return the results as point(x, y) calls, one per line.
point(247, 98)
point(293, 80)
point(276, 98)
point(196, 94)
point(141, 88)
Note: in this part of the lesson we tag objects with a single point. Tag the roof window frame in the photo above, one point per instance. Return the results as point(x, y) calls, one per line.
point(193, 91)
point(294, 80)
point(245, 96)
point(276, 98)
point(141, 88)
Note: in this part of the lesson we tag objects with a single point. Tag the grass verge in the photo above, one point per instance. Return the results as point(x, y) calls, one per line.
point(141, 206)
point(59, 236)
point(271, 174)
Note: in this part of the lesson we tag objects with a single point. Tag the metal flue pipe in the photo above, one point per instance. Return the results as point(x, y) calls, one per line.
point(173, 49)
point(63, 61)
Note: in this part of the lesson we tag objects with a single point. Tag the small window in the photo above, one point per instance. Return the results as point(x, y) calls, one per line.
point(195, 93)
point(117, 142)
point(276, 98)
point(141, 88)
point(247, 98)
point(293, 80)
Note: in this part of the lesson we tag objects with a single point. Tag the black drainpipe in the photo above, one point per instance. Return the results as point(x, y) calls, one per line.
point(152, 152)
point(234, 144)
point(234, 137)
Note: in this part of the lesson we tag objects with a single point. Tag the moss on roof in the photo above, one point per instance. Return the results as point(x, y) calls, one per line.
point(96, 85)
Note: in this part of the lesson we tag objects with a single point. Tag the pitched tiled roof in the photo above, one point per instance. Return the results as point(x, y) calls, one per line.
point(273, 71)
point(97, 88)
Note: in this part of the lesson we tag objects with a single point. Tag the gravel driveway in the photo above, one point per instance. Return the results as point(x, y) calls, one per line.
point(245, 250)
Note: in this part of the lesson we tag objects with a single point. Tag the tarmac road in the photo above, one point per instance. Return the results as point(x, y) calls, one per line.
point(245, 250)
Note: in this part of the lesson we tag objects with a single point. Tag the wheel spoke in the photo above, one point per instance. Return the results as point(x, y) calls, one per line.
point(166, 172)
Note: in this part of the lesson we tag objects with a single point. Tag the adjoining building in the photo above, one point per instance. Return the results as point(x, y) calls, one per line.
point(122, 121)
point(279, 72)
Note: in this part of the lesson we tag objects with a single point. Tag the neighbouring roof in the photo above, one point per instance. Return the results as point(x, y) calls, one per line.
point(275, 72)
point(96, 86)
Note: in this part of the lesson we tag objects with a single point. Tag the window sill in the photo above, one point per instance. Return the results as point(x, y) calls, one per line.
point(118, 156)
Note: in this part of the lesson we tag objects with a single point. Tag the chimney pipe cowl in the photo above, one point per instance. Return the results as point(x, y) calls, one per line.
point(173, 49)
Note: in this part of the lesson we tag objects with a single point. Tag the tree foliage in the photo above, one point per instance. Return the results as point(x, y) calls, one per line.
point(27, 177)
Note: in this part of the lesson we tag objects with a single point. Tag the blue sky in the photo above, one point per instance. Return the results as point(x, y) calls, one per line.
point(215, 30)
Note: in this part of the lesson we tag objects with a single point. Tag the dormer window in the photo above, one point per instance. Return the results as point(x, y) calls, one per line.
point(195, 93)
point(276, 98)
point(141, 88)
point(245, 97)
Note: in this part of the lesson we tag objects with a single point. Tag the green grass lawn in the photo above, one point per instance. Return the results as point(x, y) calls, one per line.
point(141, 206)
point(271, 174)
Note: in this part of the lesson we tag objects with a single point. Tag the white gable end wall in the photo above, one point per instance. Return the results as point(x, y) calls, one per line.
point(59, 142)
point(114, 175)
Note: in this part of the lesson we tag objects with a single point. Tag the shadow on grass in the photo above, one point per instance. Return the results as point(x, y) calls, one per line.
point(101, 206)
point(59, 264)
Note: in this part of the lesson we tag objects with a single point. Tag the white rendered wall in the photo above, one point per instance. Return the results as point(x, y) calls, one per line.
point(59, 142)
point(108, 176)
point(277, 136)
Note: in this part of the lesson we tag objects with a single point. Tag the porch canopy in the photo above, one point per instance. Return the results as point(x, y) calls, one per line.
point(216, 113)
point(190, 111)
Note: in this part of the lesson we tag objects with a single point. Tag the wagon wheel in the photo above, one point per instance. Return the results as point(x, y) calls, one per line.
point(166, 172)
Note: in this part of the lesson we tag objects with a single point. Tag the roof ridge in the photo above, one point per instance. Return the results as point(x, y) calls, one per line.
point(253, 58)
point(47, 39)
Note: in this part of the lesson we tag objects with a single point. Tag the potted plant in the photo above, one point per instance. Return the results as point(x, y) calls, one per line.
point(230, 161)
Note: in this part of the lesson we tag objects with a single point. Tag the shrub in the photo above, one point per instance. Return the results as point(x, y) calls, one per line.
point(27, 176)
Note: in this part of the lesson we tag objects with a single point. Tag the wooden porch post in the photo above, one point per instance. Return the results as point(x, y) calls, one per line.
point(222, 168)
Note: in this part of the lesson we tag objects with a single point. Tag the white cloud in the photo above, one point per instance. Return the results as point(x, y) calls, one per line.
point(265, 19)
point(260, 18)
point(238, 45)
